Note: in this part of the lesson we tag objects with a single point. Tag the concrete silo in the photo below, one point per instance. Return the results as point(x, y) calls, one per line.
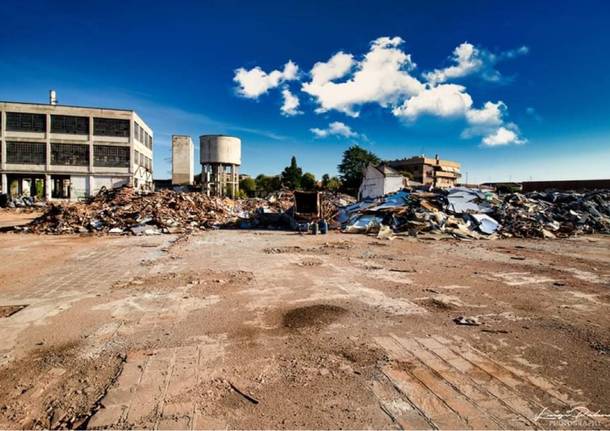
point(220, 161)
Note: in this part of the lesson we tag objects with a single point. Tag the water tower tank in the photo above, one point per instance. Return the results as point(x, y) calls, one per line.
point(220, 160)
point(220, 149)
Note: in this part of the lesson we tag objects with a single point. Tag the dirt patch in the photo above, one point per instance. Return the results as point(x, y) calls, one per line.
point(197, 283)
point(55, 387)
point(282, 250)
point(9, 310)
point(310, 262)
point(312, 316)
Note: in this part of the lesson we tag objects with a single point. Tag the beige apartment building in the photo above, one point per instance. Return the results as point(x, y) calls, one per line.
point(433, 172)
point(70, 152)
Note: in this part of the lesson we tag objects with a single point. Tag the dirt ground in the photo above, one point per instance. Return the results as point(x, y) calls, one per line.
point(244, 329)
point(17, 217)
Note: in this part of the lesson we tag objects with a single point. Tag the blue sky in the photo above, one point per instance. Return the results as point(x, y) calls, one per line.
point(443, 77)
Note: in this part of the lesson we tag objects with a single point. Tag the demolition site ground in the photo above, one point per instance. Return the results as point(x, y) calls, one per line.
point(267, 329)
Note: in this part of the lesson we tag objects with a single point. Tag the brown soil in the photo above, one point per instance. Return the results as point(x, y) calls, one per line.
point(274, 330)
point(312, 315)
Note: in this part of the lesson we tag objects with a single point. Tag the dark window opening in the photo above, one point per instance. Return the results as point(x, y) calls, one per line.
point(69, 124)
point(110, 156)
point(24, 122)
point(111, 127)
point(70, 154)
point(26, 153)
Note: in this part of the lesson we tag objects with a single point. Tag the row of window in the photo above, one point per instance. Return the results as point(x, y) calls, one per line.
point(34, 153)
point(26, 122)
point(143, 161)
point(141, 135)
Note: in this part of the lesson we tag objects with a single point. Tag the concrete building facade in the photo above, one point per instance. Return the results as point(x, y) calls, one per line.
point(71, 152)
point(431, 172)
point(183, 160)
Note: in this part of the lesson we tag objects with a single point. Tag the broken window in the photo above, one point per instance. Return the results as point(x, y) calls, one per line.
point(26, 153)
point(111, 156)
point(70, 154)
point(69, 124)
point(111, 127)
point(24, 122)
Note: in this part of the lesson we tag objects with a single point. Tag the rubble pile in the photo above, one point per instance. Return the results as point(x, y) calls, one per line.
point(472, 214)
point(124, 211)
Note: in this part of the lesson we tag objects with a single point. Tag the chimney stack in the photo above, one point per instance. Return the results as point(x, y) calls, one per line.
point(53, 97)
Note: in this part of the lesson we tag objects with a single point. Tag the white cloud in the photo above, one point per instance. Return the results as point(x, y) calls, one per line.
point(290, 107)
point(470, 60)
point(336, 67)
point(381, 77)
point(503, 136)
point(489, 115)
point(447, 100)
point(335, 128)
point(255, 82)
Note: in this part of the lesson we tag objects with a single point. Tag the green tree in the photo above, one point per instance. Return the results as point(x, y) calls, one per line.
point(355, 160)
point(248, 186)
point(308, 181)
point(266, 184)
point(332, 184)
point(291, 176)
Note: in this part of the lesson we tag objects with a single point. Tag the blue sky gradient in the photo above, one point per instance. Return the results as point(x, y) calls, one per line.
point(174, 63)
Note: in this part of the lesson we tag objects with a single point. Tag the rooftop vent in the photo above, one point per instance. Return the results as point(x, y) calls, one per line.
point(53, 97)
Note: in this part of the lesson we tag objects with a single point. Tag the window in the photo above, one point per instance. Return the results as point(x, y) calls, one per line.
point(110, 156)
point(26, 153)
point(136, 133)
point(70, 154)
point(111, 127)
point(69, 124)
point(24, 122)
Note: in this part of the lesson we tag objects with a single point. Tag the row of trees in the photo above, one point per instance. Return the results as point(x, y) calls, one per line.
point(354, 160)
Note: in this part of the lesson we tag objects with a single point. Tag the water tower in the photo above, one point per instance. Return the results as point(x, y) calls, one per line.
point(220, 160)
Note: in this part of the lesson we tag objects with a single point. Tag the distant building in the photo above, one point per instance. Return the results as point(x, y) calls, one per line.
point(183, 160)
point(430, 172)
point(380, 180)
point(70, 152)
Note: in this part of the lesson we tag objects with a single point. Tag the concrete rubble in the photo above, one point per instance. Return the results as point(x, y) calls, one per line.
point(472, 214)
point(124, 211)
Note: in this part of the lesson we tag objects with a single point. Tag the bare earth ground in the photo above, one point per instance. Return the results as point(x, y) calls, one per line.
point(245, 329)
point(17, 217)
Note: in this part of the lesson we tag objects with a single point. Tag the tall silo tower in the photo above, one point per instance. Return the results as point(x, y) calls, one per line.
point(220, 161)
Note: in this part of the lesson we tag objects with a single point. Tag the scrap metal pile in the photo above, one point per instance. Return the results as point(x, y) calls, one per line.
point(471, 214)
point(124, 211)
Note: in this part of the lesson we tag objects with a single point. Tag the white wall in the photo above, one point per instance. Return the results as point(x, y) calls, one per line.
point(374, 184)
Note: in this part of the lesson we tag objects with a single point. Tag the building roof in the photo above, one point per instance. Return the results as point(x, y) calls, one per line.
point(387, 171)
point(65, 106)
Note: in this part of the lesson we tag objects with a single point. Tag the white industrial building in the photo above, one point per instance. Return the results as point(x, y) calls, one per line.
point(380, 180)
point(70, 152)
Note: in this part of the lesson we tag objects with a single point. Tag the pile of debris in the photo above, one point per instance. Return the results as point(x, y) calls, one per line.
point(123, 211)
point(471, 214)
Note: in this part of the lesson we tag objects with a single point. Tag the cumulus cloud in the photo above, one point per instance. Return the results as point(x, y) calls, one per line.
point(335, 128)
point(490, 115)
point(447, 100)
point(469, 60)
point(382, 77)
point(290, 107)
point(256, 82)
point(503, 136)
